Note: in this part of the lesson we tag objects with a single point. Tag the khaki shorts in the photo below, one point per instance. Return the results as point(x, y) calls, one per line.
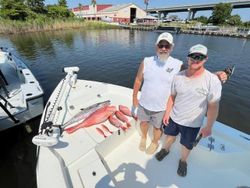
point(153, 118)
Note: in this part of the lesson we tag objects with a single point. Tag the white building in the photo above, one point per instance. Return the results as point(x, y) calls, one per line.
point(125, 13)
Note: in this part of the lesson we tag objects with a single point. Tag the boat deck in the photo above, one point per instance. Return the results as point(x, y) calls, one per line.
point(87, 159)
point(133, 168)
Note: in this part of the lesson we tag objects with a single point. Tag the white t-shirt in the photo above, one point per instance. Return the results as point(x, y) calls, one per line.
point(193, 96)
point(157, 80)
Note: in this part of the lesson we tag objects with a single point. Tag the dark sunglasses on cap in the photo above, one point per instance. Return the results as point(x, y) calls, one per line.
point(167, 46)
point(197, 57)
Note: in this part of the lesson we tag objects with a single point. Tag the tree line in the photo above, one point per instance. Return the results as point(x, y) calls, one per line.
point(33, 9)
point(36, 9)
point(221, 15)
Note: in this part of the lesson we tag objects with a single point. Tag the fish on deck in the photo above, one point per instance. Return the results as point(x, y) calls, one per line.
point(125, 110)
point(114, 121)
point(99, 116)
point(122, 117)
point(86, 112)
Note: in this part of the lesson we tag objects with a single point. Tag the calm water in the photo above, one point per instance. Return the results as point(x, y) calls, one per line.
point(113, 56)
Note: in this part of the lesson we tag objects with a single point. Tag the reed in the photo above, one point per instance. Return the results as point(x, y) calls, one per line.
point(14, 27)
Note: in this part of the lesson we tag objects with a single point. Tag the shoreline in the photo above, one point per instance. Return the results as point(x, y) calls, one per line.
point(17, 27)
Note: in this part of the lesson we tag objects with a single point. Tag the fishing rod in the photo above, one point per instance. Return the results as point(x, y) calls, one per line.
point(48, 134)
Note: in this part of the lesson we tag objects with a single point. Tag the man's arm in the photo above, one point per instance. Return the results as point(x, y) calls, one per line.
point(169, 107)
point(222, 75)
point(212, 113)
point(137, 84)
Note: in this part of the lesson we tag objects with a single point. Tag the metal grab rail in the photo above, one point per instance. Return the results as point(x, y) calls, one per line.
point(4, 107)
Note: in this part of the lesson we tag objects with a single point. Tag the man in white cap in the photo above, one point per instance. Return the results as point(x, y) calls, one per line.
point(156, 73)
point(195, 92)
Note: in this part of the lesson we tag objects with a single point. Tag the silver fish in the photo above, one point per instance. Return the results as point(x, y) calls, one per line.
point(86, 112)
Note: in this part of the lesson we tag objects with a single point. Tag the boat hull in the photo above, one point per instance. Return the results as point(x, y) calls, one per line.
point(21, 94)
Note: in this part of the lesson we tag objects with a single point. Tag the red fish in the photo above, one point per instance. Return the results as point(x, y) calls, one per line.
point(123, 118)
point(114, 121)
point(125, 110)
point(98, 116)
point(100, 132)
point(106, 128)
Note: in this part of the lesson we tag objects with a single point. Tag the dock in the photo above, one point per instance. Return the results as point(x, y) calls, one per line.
point(215, 31)
point(139, 27)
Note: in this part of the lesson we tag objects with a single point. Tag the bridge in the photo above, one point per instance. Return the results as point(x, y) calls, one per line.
point(192, 9)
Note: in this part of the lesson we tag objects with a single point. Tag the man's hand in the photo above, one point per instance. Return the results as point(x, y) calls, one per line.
point(206, 131)
point(134, 110)
point(165, 119)
point(222, 76)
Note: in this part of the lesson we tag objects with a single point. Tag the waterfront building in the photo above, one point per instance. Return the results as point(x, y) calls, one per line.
point(125, 13)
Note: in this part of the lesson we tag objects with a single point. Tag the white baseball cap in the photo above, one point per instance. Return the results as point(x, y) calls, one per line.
point(199, 49)
point(165, 36)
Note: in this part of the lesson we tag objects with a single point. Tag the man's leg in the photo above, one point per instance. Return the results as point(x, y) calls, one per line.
point(156, 121)
point(156, 135)
point(166, 148)
point(154, 144)
point(182, 168)
point(171, 131)
point(144, 130)
point(169, 141)
point(188, 136)
point(184, 153)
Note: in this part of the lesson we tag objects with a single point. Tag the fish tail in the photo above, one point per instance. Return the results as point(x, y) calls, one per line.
point(128, 125)
point(123, 128)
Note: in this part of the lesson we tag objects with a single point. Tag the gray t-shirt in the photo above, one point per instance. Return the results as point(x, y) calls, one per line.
point(193, 96)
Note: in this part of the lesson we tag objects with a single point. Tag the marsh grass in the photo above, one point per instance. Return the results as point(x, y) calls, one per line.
point(14, 27)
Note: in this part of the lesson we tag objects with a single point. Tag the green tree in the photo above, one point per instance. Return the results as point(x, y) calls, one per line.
point(234, 20)
point(56, 11)
point(247, 24)
point(62, 3)
point(202, 19)
point(14, 9)
point(221, 13)
point(36, 6)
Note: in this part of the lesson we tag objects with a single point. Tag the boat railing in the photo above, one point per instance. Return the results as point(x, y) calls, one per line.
point(3, 83)
point(4, 107)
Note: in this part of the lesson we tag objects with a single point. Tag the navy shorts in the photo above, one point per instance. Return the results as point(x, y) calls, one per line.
point(188, 134)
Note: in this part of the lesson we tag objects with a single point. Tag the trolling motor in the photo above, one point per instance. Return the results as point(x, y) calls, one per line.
point(48, 135)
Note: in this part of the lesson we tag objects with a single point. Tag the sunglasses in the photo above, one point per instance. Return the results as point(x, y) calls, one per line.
point(197, 57)
point(167, 46)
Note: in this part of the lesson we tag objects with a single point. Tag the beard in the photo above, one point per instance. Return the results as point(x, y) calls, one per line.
point(162, 57)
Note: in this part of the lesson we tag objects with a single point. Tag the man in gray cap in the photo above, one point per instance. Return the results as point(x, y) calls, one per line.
point(195, 92)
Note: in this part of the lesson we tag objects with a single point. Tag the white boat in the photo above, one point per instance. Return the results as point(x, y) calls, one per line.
point(86, 159)
point(21, 96)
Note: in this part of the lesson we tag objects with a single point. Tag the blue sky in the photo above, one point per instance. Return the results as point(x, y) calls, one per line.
point(244, 13)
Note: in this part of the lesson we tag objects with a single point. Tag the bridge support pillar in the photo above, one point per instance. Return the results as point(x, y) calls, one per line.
point(189, 14)
point(165, 14)
point(193, 14)
point(159, 15)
